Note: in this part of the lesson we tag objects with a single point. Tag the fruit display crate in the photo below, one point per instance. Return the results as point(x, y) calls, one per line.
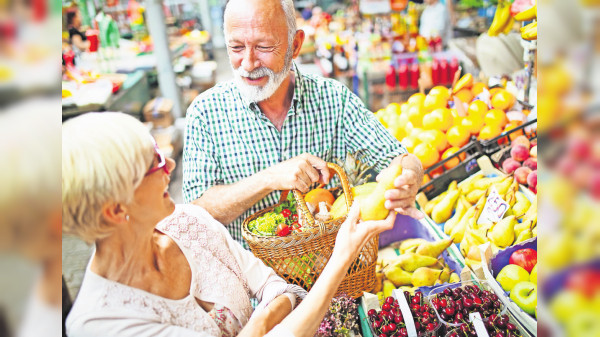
point(499, 261)
point(441, 176)
point(492, 146)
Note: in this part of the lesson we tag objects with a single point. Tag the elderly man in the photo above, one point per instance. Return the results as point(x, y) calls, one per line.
point(274, 129)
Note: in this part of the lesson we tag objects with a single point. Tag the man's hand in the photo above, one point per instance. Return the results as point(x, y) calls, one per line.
point(297, 173)
point(402, 198)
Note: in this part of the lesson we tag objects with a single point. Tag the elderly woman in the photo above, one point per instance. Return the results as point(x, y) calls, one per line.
point(164, 270)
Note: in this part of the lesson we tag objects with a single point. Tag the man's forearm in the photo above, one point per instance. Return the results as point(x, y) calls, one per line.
point(227, 202)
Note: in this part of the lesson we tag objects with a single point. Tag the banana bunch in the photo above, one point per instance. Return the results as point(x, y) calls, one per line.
point(528, 32)
point(503, 21)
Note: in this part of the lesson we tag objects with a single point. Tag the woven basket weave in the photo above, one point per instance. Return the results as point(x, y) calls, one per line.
point(299, 258)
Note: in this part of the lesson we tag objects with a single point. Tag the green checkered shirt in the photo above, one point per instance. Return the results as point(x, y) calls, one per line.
point(227, 138)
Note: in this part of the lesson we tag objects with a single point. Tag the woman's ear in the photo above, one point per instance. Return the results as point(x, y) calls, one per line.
point(115, 214)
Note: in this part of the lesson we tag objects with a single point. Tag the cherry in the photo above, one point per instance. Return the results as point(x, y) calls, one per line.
point(459, 316)
point(398, 319)
point(403, 332)
point(511, 327)
point(382, 335)
point(386, 307)
point(500, 334)
point(447, 292)
point(430, 327)
point(443, 303)
point(453, 334)
point(467, 302)
point(391, 327)
point(417, 325)
point(449, 311)
point(377, 324)
point(372, 312)
point(477, 301)
point(389, 300)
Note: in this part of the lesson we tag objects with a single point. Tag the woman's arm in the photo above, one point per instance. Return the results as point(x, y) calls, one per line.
point(77, 41)
point(305, 320)
point(264, 321)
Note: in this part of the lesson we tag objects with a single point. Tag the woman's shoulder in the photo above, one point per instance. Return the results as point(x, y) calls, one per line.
point(190, 222)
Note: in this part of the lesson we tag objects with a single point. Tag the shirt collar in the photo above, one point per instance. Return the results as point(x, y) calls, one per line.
point(296, 98)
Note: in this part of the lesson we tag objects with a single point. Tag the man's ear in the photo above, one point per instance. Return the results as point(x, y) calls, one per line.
point(115, 213)
point(298, 41)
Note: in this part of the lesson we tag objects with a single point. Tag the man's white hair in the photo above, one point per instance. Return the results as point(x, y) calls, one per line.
point(104, 159)
point(290, 18)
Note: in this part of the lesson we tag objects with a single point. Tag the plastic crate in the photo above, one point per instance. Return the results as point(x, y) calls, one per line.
point(494, 145)
point(463, 170)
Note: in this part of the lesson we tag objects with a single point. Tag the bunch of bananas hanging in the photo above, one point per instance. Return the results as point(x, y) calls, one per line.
point(528, 32)
point(503, 21)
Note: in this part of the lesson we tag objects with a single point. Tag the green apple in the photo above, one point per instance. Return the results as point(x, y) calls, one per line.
point(524, 294)
point(567, 303)
point(511, 275)
point(533, 275)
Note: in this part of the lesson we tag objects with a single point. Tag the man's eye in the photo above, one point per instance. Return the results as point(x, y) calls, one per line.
point(264, 48)
point(236, 48)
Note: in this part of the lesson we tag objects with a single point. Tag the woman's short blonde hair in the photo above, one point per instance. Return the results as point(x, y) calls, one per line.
point(104, 159)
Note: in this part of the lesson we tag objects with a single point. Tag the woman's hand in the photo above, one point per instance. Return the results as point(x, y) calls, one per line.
point(353, 235)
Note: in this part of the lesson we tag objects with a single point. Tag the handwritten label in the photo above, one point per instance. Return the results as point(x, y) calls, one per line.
point(477, 321)
point(494, 208)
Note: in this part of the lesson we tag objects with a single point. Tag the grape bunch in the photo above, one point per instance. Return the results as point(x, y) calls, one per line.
point(496, 326)
point(455, 305)
point(389, 322)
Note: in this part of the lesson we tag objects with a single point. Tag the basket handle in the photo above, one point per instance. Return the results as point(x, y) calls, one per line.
point(310, 219)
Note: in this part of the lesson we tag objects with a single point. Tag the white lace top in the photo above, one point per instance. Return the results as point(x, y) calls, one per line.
point(223, 273)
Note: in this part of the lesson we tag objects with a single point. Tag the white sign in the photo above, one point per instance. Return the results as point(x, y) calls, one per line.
point(494, 208)
point(375, 6)
point(477, 321)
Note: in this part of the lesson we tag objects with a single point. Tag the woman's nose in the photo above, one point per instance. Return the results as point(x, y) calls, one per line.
point(171, 165)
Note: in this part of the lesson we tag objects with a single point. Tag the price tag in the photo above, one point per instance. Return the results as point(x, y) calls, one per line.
point(494, 208)
point(405, 309)
point(477, 321)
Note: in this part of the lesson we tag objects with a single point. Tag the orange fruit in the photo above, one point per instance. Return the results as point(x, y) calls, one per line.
point(319, 195)
point(415, 115)
point(440, 90)
point(473, 124)
point(464, 95)
point(478, 88)
point(436, 138)
point(437, 172)
point(496, 117)
point(454, 161)
point(433, 102)
point(394, 108)
point(503, 100)
point(458, 136)
point(495, 90)
point(410, 143)
point(416, 99)
point(431, 121)
point(489, 132)
point(404, 108)
point(515, 134)
point(464, 82)
point(477, 108)
point(427, 154)
point(445, 115)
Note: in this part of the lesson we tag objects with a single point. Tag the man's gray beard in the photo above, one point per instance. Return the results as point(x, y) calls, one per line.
point(256, 93)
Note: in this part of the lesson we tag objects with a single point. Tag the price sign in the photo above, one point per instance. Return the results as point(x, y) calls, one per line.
point(494, 208)
point(477, 321)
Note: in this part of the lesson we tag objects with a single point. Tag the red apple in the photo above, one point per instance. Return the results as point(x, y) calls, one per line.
point(532, 179)
point(531, 163)
point(521, 174)
point(519, 152)
point(510, 165)
point(525, 258)
point(585, 281)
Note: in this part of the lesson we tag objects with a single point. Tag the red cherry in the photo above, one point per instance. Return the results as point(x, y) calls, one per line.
point(386, 307)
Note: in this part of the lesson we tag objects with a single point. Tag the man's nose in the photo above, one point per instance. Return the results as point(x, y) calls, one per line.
point(250, 62)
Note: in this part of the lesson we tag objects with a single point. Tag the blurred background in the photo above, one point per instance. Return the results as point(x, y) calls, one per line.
point(151, 58)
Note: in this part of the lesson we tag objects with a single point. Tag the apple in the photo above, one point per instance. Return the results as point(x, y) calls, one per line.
point(526, 258)
point(586, 281)
point(519, 152)
point(521, 174)
point(524, 294)
point(510, 165)
point(510, 275)
point(533, 275)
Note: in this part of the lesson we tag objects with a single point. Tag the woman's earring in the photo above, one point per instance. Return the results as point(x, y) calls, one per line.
point(127, 217)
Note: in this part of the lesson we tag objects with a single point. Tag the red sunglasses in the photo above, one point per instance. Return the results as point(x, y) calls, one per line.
point(162, 162)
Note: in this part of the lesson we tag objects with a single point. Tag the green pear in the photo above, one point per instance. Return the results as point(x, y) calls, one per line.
point(524, 235)
point(503, 186)
point(442, 211)
point(410, 244)
point(388, 288)
point(445, 274)
point(425, 277)
point(502, 233)
point(533, 275)
point(461, 208)
point(522, 204)
point(431, 203)
point(373, 206)
point(468, 186)
point(475, 195)
point(454, 278)
point(433, 249)
point(411, 261)
point(398, 276)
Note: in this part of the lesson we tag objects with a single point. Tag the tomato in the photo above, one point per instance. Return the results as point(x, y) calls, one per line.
point(286, 213)
point(283, 230)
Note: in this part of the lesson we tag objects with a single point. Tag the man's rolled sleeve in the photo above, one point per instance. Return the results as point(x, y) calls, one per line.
point(201, 168)
point(366, 135)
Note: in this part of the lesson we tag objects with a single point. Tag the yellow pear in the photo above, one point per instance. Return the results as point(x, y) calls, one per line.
point(398, 276)
point(388, 287)
point(433, 249)
point(524, 235)
point(373, 206)
point(461, 208)
point(445, 274)
point(339, 208)
point(468, 186)
point(520, 227)
point(410, 244)
point(475, 195)
point(431, 203)
point(459, 229)
point(454, 278)
point(534, 231)
point(503, 233)
point(443, 210)
point(472, 263)
point(424, 277)
point(503, 186)
point(483, 184)
point(522, 204)
point(472, 237)
point(411, 261)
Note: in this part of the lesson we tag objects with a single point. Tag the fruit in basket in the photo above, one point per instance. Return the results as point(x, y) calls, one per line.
point(533, 275)
point(454, 278)
point(533, 152)
point(510, 165)
point(433, 249)
point(502, 233)
point(477, 108)
point(524, 235)
point(525, 258)
point(339, 208)
point(461, 209)
point(319, 195)
point(473, 124)
point(521, 140)
point(510, 275)
point(427, 154)
point(425, 277)
point(521, 206)
point(458, 136)
point(398, 276)
point(443, 210)
point(433, 102)
point(531, 163)
point(496, 117)
point(373, 205)
point(524, 294)
point(411, 261)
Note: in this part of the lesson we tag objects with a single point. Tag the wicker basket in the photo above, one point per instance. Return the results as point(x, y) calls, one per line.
point(299, 258)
